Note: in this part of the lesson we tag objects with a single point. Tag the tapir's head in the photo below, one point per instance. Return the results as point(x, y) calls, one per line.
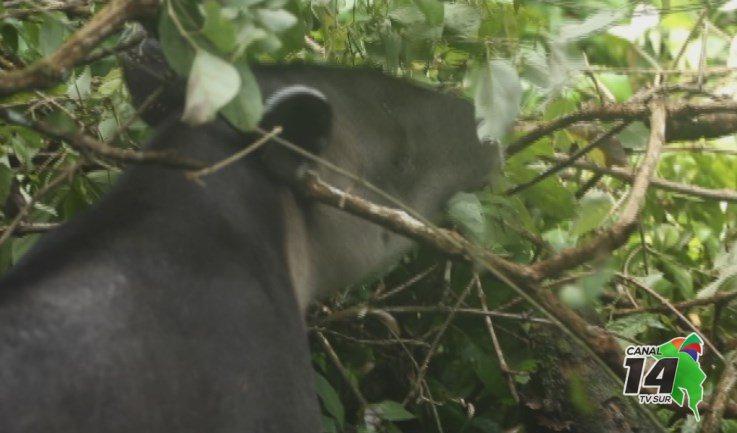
point(416, 145)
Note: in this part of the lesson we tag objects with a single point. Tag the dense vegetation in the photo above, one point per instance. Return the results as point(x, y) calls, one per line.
point(589, 253)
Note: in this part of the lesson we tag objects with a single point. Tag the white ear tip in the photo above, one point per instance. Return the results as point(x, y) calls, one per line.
point(285, 93)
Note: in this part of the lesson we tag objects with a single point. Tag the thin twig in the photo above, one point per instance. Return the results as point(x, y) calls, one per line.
point(598, 141)
point(625, 175)
point(53, 183)
point(206, 171)
point(435, 343)
point(439, 309)
point(409, 283)
point(341, 368)
point(83, 142)
point(637, 110)
point(495, 341)
point(717, 299)
point(671, 308)
point(29, 228)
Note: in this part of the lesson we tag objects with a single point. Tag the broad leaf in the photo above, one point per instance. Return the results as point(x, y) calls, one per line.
point(244, 111)
point(212, 83)
point(391, 411)
point(497, 94)
point(593, 209)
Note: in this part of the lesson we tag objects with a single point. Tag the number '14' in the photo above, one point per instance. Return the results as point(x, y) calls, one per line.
point(661, 375)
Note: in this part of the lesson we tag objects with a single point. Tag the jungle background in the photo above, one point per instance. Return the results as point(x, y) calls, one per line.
point(612, 221)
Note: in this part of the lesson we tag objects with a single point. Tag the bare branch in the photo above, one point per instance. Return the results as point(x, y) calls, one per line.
point(682, 116)
point(29, 228)
point(595, 143)
point(727, 195)
point(672, 309)
point(83, 142)
point(718, 299)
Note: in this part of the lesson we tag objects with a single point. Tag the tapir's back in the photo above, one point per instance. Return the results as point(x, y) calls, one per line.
point(178, 317)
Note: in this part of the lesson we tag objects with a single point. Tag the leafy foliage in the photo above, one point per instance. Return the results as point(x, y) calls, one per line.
point(417, 365)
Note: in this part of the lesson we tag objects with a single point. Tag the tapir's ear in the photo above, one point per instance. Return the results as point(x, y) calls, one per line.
point(305, 117)
point(303, 113)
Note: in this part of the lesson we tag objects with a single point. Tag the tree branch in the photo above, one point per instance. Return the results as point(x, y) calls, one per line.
point(625, 175)
point(616, 235)
point(686, 121)
point(85, 143)
point(53, 68)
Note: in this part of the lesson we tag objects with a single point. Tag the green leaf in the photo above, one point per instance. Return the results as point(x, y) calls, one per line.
point(81, 87)
point(666, 236)
point(60, 121)
point(52, 34)
point(618, 84)
point(212, 83)
point(573, 296)
point(330, 400)
point(433, 10)
point(389, 410)
point(329, 425)
point(178, 52)
point(634, 136)
point(595, 23)
point(9, 35)
point(247, 35)
point(245, 110)
point(551, 197)
point(680, 276)
point(407, 14)
point(22, 245)
point(108, 127)
point(497, 94)
point(593, 209)
point(110, 83)
point(465, 210)
point(462, 19)
point(218, 29)
point(6, 179)
point(559, 239)
point(725, 264)
point(276, 20)
point(634, 325)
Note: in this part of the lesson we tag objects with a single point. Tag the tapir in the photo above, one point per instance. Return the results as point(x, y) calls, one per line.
point(177, 306)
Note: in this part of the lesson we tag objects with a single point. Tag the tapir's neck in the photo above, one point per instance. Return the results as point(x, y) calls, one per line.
point(300, 258)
